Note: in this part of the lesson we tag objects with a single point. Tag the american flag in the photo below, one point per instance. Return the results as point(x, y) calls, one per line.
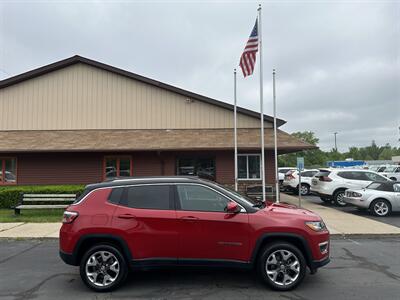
point(248, 58)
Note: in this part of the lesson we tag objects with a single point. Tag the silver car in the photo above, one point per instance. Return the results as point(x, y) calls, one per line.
point(380, 198)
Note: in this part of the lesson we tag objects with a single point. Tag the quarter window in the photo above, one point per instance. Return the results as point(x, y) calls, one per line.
point(117, 166)
point(249, 166)
point(199, 198)
point(8, 171)
point(148, 197)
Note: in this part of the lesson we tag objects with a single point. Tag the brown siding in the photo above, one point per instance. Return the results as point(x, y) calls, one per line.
point(59, 168)
point(84, 168)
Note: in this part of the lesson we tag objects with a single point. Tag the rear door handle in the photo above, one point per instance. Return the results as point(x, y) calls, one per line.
point(189, 218)
point(126, 216)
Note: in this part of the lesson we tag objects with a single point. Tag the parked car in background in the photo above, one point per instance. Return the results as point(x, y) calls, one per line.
point(291, 181)
point(282, 171)
point(380, 198)
point(153, 222)
point(392, 172)
point(331, 184)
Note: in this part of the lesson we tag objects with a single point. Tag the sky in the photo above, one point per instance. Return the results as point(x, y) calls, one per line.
point(337, 62)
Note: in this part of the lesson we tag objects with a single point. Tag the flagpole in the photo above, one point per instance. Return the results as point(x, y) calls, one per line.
point(235, 128)
point(261, 104)
point(275, 139)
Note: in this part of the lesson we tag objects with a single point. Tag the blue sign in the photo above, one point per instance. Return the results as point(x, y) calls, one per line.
point(300, 163)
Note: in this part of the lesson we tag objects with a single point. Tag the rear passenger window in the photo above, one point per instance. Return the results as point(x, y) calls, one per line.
point(115, 195)
point(148, 196)
point(346, 175)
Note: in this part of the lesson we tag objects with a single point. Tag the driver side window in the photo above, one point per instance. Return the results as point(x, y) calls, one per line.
point(200, 198)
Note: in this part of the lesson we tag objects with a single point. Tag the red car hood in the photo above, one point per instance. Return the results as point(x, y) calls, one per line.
point(285, 208)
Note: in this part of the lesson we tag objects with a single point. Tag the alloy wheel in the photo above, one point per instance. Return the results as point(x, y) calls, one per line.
point(303, 190)
point(102, 268)
point(282, 267)
point(339, 199)
point(381, 208)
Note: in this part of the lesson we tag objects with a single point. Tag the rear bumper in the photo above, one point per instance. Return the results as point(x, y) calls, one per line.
point(321, 194)
point(69, 259)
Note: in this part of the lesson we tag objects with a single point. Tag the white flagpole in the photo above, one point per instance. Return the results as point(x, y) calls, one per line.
point(261, 104)
point(235, 128)
point(275, 140)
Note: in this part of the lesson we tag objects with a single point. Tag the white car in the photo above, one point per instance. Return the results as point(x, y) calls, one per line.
point(392, 172)
point(379, 198)
point(282, 171)
point(331, 184)
point(291, 181)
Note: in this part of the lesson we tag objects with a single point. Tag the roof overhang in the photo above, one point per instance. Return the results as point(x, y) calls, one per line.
point(145, 140)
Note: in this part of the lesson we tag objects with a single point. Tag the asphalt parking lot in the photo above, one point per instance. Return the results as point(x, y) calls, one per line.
point(393, 219)
point(360, 269)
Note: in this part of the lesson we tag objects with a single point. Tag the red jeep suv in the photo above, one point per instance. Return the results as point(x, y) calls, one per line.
point(143, 223)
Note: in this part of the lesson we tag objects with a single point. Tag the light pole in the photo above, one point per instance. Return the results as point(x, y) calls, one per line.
point(335, 133)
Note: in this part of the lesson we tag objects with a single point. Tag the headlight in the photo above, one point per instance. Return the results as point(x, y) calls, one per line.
point(316, 225)
point(354, 194)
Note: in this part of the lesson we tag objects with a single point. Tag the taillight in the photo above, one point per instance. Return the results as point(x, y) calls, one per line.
point(69, 216)
point(291, 176)
point(325, 178)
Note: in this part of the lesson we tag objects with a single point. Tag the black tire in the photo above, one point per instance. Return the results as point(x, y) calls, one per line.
point(325, 199)
point(305, 191)
point(119, 278)
point(380, 208)
point(266, 254)
point(338, 198)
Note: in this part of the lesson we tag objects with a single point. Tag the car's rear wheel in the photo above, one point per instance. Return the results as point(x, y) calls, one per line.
point(338, 198)
point(381, 208)
point(103, 268)
point(281, 266)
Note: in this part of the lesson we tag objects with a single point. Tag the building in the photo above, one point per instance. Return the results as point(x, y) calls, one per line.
point(79, 121)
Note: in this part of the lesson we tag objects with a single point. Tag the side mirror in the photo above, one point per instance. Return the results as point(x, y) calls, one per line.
point(232, 208)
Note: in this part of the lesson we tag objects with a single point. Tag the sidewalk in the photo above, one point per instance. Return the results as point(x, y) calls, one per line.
point(341, 223)
point(338, 222)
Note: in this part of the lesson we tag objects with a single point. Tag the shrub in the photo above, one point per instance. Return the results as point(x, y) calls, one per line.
point(9, 195)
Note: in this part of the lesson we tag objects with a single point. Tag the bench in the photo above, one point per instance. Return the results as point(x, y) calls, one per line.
point(43, 201)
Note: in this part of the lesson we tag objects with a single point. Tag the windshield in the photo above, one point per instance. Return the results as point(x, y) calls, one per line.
point(235, 194)
point(390, 169)
point(374, 185)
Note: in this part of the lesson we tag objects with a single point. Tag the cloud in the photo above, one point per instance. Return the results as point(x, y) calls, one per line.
point(337, 62)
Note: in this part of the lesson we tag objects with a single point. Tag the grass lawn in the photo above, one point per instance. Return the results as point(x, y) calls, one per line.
point(34, 215)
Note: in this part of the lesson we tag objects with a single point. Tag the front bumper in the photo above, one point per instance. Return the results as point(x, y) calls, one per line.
point(359, 202)
point(316, 264)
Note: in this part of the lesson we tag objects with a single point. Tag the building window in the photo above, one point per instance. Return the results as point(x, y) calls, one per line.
point(8, 171)
point(117, 166)
point(203, 167)
point(249, 166)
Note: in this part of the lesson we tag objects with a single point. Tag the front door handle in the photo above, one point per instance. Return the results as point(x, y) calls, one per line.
point(189, 218)
point(126, 216)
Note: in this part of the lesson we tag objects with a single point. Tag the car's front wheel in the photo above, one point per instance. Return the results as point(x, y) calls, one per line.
point(381, 208)
point(338, 198)
point(304, 189)
point(281, 266)
point(103, 268)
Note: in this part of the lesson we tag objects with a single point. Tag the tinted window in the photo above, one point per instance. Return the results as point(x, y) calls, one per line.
point(148, 196)
point(374, 177)
point(203, 167)
point(346, 175)
point(199, 198)
point(115, 195)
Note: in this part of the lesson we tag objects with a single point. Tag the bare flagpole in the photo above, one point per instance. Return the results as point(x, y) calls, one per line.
point(261, 104)
point(275, 140)
point(235, 128)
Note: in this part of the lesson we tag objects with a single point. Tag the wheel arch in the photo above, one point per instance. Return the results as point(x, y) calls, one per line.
point(90, 240)
point(292, 238)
